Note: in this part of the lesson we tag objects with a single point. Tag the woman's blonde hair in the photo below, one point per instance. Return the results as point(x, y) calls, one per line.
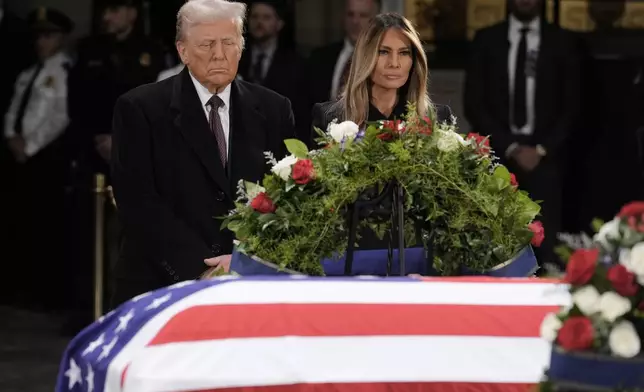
point(354, 102)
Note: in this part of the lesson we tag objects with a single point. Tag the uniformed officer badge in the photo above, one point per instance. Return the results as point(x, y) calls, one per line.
point(49, 82)
point(145, 59)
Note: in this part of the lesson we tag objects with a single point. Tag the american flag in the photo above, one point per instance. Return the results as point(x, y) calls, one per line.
point(270, 334)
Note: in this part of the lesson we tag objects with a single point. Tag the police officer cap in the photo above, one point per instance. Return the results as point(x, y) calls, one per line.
point(44, 19)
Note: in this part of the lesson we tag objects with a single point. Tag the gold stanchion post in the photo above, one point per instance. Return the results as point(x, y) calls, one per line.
point(99, 243)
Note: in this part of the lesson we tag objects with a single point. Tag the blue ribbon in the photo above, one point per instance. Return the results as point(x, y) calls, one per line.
point(595, 370)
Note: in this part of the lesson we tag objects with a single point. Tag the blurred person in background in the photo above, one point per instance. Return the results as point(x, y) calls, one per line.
point(108, 65)
point(328, 66)
point(523, 90)
point(33, 128)
point(268, 63)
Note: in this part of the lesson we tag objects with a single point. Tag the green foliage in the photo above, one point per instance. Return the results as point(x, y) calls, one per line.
point(477, 218)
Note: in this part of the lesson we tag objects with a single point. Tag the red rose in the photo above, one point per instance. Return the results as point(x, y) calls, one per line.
point(303, 171)
point(482, 143)
point(263, 204)
point(513, 180)
point(576, 333)
point(426, 129)
point(622, 280)
point(393, 126)
point(384, 136)
point(634, 208)
point(581, 266)
point(538, 233)
point(636, 223)
point(641, 306)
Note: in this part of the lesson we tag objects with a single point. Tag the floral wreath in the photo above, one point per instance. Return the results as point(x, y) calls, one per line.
point(297, 216)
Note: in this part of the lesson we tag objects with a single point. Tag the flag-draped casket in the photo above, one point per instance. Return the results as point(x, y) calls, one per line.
point(297, 333)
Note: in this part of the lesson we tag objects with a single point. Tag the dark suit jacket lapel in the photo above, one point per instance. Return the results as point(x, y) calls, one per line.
point(502, 53)
point(543, 63)
point(248, 136)
point(191, 121)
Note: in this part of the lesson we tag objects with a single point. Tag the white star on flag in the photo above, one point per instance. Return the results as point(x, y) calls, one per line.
point(74, 374)
point(159, 301)
point(107, 349)
point(94, 345)
point(124, 320)
point(140, 296)
point(103, 317)
point(181, 284)
point(90, 379)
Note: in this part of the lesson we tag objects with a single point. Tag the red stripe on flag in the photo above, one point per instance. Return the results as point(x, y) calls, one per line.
point(210, 322)
point(488, 279)
point(124, 374)
point(385, 387)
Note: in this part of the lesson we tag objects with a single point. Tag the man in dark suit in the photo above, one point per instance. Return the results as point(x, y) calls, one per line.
point(272, 65)
point(329, 65)
point(522, 89)
point(180, 147)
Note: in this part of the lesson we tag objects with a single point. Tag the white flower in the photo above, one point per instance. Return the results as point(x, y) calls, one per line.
point(587, 300)
point(623, 340)
point(635, 260)
point(613, 305)
point(449, 141)
point(608, 233)
point(283, 167)
point(346, 130)
point(550, 327)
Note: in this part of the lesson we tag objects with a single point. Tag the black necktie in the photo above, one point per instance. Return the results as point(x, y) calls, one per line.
point(520, 109)
point(24, 101)
point(216, 128)
point(258, 68)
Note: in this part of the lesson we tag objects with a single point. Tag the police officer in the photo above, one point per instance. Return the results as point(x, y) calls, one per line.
point(108, 65)
point(33, 127)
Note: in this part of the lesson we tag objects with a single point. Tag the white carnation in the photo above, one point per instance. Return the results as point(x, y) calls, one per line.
point(449, 141)
point(607, 234)
point(346, 130)
point(283, 168)
point(612, 306)
point(587, 300)
point(635, 260)
point(623, 340)
point(550, 327)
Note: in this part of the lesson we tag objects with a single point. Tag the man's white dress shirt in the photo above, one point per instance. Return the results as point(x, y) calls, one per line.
point(343, 58)
point(224, 111)
point(533, 38)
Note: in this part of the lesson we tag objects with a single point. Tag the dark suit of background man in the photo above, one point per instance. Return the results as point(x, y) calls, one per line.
point(522, 89)
point(181, 146)
point(267, 61)
point(118, 58)
point(329, 65)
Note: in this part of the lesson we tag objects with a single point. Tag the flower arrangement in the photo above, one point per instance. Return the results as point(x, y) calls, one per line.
point(298, 214)
point(606, 279)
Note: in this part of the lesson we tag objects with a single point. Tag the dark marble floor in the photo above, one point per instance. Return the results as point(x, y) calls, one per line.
point(30, 350)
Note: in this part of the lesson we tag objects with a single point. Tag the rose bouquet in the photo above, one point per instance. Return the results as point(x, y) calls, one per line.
point(606, 319)
point(297, 216)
